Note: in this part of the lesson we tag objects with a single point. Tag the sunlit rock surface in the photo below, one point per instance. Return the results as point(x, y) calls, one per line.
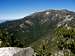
point(14, 51)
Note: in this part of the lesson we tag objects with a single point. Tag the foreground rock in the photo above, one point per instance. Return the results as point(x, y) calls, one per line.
point(14, 51)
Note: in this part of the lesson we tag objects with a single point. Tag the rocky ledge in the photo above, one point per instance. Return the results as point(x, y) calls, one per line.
point(14, 51)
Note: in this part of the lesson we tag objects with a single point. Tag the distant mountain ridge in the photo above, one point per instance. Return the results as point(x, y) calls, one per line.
point(1, 21)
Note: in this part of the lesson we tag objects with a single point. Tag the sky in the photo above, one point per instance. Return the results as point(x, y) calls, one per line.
point(16, 9)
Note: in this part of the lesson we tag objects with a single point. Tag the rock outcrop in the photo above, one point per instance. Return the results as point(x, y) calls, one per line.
point(14, 51)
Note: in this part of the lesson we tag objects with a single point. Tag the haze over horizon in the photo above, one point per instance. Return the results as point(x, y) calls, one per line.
point(15, 9)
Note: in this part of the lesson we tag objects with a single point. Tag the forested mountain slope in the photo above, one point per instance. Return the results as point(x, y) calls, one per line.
point(38, 26)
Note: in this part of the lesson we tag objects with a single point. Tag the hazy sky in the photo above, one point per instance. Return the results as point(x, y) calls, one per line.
point(14, 9)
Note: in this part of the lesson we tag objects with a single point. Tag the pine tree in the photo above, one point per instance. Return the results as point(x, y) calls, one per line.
point(43, 49)
point(65, 38)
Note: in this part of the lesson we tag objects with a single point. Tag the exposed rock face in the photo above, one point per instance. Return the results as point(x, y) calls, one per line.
point(14, 51)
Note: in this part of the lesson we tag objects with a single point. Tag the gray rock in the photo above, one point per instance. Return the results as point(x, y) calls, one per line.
point(14, 51)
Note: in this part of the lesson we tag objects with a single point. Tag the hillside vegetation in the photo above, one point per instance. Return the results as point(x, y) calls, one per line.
point(48, 32)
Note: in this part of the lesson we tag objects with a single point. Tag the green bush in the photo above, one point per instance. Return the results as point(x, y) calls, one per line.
point(65, 38)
